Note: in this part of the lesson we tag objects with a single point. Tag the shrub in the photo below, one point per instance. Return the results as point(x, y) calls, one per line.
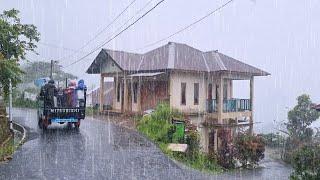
point(249, 149)
point(192, 139)
point(157, 130)
point(306, 163)
point(226, 151)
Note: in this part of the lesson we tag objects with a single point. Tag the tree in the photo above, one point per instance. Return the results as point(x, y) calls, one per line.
point(40, 69)
point(300, 118)
point(16, 40)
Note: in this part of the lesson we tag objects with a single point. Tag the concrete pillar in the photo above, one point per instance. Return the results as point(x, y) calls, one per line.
point(216, 140)
point(125, 94)
point(251, 102)
point(231, 89)
point(220, 100)
point(101, 99)
point(205, 139)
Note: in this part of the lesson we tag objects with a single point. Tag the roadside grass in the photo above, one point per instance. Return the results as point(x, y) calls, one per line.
point(159, 129)
point(7, 149)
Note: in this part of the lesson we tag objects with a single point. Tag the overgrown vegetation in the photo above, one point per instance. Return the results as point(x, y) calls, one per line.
point(158, 128)
point(306, 163)
point(249, 149)
point(301, 146)
point(298, 127)
point(245, 150)
point(7, 149)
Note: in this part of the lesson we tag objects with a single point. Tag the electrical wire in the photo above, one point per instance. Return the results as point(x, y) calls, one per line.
point(100, 32)
point(115, 36)
point(186, 27)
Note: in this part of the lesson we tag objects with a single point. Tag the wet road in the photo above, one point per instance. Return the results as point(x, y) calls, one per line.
point(101, 150)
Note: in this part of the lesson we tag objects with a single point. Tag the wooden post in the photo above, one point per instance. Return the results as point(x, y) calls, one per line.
point(220, 100)
point(101, 93)
point(139, 96)
point(251, 102)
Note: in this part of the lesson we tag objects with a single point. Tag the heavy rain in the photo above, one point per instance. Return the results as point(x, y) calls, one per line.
point(159, 89)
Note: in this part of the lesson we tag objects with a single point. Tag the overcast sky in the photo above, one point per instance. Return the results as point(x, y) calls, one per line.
point(279, 36)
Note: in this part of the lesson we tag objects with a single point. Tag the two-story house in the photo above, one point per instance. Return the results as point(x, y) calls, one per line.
point(192, 81)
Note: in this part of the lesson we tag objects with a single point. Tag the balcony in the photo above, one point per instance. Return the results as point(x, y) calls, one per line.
point(230, 105)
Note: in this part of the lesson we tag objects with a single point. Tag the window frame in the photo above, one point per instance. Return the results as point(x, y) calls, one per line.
point(183, 93)
point(118, 91)
point(196, 88)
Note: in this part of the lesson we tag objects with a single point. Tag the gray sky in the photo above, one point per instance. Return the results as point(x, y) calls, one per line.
point(279, 36)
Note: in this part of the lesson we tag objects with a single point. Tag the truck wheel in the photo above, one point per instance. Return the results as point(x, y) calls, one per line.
point(45, 124)
point(77, 124)
point(40, 123)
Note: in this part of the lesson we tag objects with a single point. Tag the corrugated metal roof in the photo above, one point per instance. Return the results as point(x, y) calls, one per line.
point(145, 74)
point(174, 56)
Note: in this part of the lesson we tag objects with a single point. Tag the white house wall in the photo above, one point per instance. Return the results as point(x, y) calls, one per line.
point(176, 78)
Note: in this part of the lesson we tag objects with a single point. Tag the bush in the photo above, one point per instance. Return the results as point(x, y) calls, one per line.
point(249, 149)
point(158, 128)
point(192, 139)
point(306, 163)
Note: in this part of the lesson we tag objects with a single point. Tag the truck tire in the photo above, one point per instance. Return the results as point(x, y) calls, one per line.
point(40, 122)
point(45, 124)
point(77, 124)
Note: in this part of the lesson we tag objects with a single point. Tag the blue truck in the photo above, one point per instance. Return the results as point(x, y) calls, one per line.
point(61, 112)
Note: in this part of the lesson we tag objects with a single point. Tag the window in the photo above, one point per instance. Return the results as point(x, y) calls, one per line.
point(196, 94)
point(135, 92)
point(118, 92)
point(183, 93)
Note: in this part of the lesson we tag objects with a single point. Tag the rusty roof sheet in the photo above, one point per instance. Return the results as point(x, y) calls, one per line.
point(174, 56)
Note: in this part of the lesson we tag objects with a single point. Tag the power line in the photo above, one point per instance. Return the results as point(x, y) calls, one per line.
point(103, 30)
point(188, 26)
point(60, 47)
point(115, 36)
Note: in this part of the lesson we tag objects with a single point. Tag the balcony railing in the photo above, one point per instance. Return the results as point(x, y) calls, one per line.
point(230, 105)
point(236, 105)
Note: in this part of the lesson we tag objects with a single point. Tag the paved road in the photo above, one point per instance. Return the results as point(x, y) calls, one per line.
point(101, 150)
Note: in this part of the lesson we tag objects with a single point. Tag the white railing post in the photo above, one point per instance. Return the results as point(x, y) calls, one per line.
point(10, 103)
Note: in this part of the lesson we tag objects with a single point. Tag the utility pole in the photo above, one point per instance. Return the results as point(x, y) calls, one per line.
point(51, 70)
point(10, 103)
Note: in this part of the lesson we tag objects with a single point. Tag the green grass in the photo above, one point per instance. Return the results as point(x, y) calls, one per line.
point(7, 149)
point(158, 128)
